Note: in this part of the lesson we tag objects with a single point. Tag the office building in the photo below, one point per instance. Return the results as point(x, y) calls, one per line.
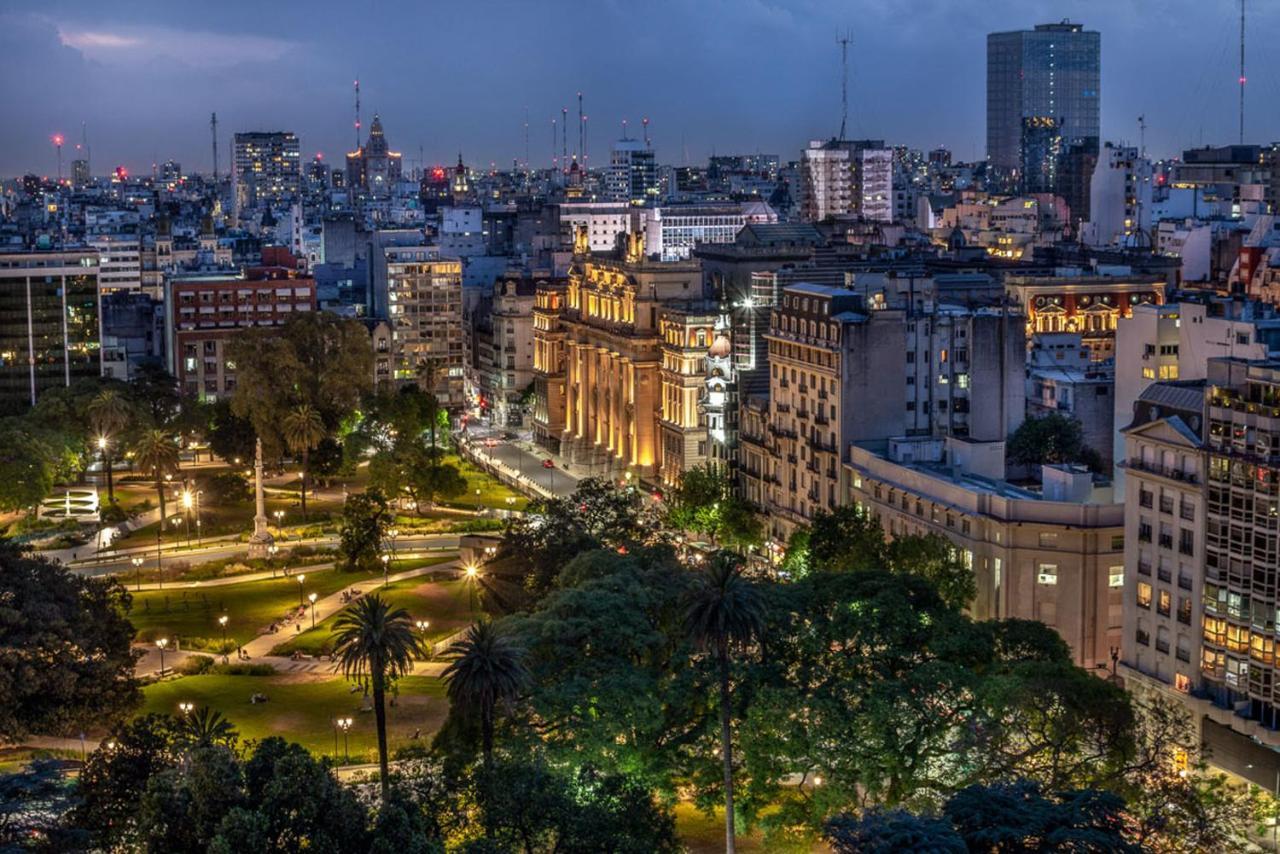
point(632, 176)
point(1050, 75)
point(1054, 555)
point(502, 350)
point(266, 169)
point(119, 262)
point(50, 329)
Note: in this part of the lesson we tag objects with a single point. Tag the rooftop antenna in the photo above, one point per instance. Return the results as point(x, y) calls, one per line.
point(1142, 136)
point(564, 138)
point(645, 122)
point(582, 132)
point(213, 130)
point(357, 86)
point(526, 138)
point(554, 136)
point(843, 40)
point(624, 129)
point(1242, 77)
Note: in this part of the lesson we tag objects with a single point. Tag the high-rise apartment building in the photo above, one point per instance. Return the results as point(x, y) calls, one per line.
point(266, 168)
point(50, 329)
point(1049, 75)
point(843, 177)
point(423, 299)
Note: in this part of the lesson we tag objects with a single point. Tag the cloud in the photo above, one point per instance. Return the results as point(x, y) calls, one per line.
point(194, 48)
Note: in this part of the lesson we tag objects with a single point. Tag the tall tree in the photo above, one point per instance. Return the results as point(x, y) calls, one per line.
point(362, 530)
point(156, 453)
point(725, 613)
point(109, 413)
point(315, 358)
point(28, 465)
point(487, 669)
point(375, 645)
point(65, 661)
point(303, 429)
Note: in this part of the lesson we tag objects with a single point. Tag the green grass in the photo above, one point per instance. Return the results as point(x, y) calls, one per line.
point(302, 708)
point(493, 493)
point(191, 613)
point(445, 604)
point(14, 759)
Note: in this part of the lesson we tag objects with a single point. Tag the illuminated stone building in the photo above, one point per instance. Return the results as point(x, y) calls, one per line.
point(1089, 305)
point(374, 168)
point(687, 337)
point(548, 364)
point(613, 347)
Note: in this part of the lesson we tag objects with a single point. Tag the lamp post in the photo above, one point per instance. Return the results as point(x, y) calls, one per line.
point(472, 573)
point(137, 571)
point(279, 514)
point(159, 557)
point(185, 708)
point(343, 724)
point(386, 560)
point(222, 621)
point(393, 533)
point(423, 625)
point(271, 557)
point(312, 597)
point(188, 499)
point(301, 578)
point(102, 451)
point(160, 645)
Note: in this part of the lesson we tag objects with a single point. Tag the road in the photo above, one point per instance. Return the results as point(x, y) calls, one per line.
point(523, 460)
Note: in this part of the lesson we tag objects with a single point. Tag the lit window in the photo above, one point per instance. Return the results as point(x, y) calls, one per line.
point(1048, 573)
point(1116, 577)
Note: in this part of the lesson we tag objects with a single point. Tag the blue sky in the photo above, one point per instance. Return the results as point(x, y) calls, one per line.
point(711, 75)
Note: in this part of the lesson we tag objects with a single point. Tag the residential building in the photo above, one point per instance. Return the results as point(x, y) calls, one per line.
point(1120, 198)
point(119, 262)
point(842, 177)
point(423, 298)
point(204, 312)
point(549, 407)
point(503, 357)
point(266, 169)
point(688, 333)
point(1055, 555)
point(1064, 379)
point(50, 329)
point(845, 369)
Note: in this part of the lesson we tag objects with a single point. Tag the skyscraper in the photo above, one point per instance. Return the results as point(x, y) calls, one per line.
point(633, 173)
point(1049, 75)
point(266, 168)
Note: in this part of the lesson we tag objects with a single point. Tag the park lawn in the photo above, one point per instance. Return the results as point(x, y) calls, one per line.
point(493, 492)
point(302, 708)
point(445, 604)
point(251, 606)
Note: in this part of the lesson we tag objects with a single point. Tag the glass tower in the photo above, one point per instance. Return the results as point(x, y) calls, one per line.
point(1049, 74)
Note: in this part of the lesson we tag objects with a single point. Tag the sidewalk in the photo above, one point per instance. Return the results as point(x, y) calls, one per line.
point(261, 646)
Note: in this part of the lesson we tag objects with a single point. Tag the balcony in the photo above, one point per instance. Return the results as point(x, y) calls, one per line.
point(1163, 471)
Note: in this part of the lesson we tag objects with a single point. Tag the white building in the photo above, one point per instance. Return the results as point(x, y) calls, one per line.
point(673, 231)
point(1119, 197)
point(119, 262)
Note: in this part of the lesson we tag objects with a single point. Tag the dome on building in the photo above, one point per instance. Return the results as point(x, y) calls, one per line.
point(721, 347)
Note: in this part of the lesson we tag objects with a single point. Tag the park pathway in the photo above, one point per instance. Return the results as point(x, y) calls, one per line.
point(261, 646)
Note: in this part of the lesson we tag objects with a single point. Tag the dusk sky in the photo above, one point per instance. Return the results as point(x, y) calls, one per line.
point(724, 75)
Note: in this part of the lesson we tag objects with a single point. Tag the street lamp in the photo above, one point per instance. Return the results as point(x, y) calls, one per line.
point(386, 560)
point(472, 573)
point(160, 645)
point(312, 597)
point(279, 514)
point(343, 724)
point(137, 570)
point(222, 621)
point(185, 707)
point(301, 578)
point(422, 626)
point(271, 557)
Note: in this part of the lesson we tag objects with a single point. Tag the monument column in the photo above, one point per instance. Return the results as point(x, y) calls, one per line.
point(261, 538)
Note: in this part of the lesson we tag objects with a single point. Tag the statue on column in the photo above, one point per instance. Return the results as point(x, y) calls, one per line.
point(261, 540)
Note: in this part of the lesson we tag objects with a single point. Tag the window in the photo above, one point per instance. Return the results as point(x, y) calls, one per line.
point(1164, 603)
point(1184, 610)
point(1048, 573)
point(1116, 576)
point(1144, 595)
point(1182, 683)
point(1148, 373)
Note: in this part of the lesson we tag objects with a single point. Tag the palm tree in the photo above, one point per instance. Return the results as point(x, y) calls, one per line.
point(109, 412)
point(487, 668)
point(375, 645)
point(303, 430)
point(157, 453)
point(725, 611)
point(205, 727)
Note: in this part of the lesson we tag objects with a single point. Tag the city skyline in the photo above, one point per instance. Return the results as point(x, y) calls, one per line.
point(146, 76)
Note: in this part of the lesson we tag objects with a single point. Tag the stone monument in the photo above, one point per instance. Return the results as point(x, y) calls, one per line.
point(261, 540)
